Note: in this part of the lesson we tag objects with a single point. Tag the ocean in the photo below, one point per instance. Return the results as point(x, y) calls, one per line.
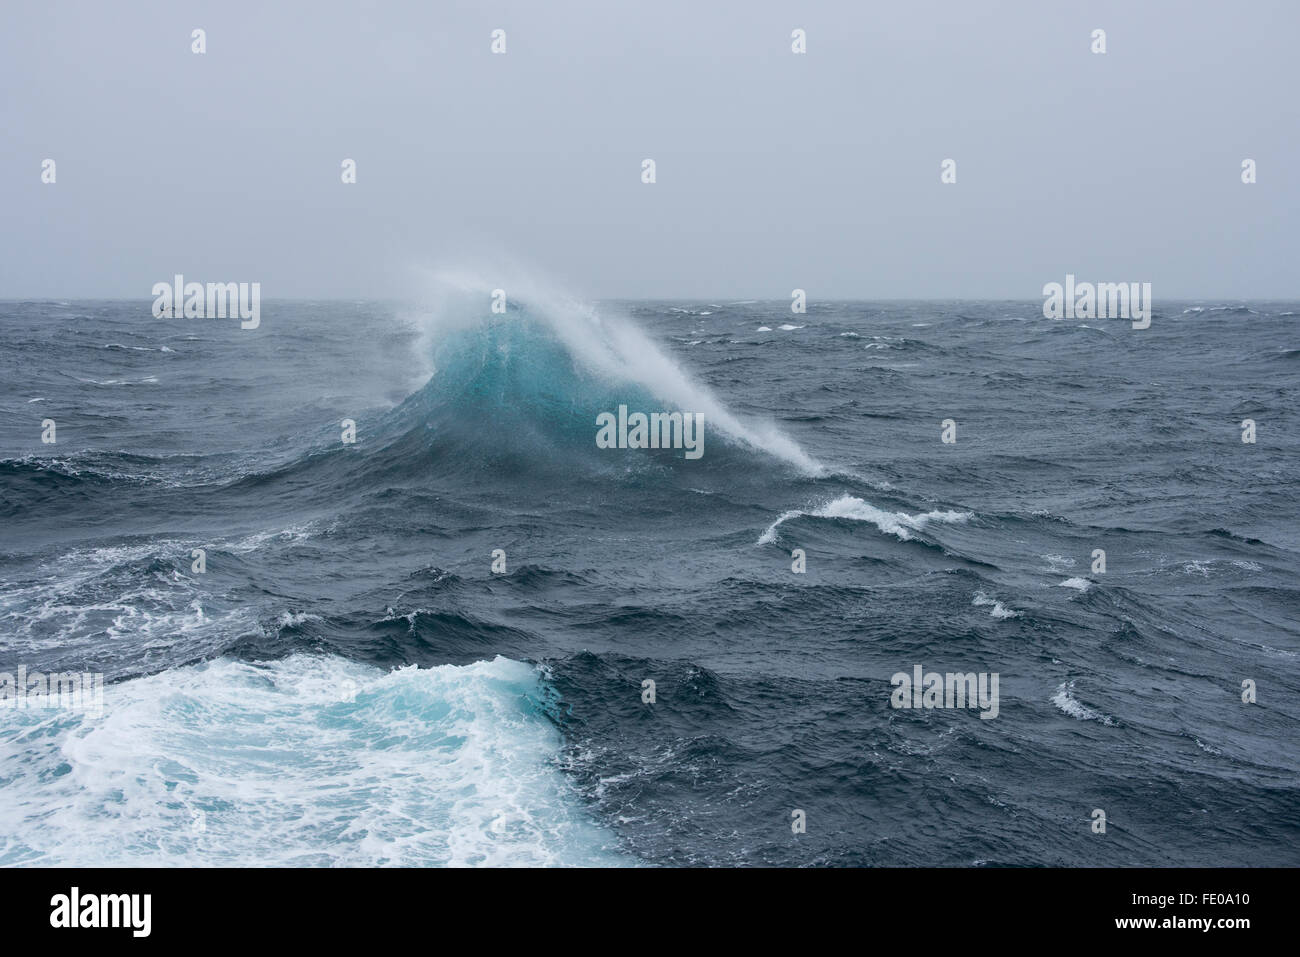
point(472, 636)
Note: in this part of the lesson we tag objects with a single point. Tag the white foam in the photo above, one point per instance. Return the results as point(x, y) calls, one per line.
point(91, 595)
point(998, 611)
point(769, 536)
point(287, 535)
point(304, 762)
point(1065, 701)
point(1078, 584)
point(899, 524)
point(294, 619)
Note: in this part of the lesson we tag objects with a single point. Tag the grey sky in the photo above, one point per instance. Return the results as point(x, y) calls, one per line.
point(775, 171)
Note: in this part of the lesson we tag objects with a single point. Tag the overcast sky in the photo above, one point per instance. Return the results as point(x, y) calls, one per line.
point(775, 170)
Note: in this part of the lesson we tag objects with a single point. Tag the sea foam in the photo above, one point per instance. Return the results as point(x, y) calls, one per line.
point(308, 761)
point(899, 524)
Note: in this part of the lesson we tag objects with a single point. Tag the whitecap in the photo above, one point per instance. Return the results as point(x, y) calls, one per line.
point(898, 524)
point(999, 611)
point(1065, 701)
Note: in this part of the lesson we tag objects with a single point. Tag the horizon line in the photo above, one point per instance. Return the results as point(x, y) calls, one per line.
point(719, 299)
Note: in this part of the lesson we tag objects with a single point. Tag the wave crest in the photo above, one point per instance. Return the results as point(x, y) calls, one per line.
point(549, 364)
point(899, 524)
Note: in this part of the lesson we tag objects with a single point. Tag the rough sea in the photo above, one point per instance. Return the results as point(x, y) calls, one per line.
point(349, 681)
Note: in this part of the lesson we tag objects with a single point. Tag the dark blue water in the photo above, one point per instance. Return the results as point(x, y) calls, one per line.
point(253, 712)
